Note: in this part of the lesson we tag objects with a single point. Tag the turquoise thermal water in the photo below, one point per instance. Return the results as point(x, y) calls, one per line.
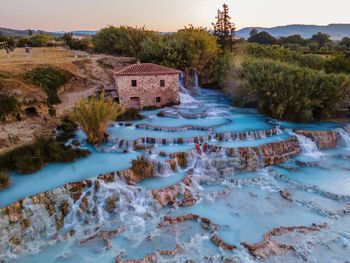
point(244, 205)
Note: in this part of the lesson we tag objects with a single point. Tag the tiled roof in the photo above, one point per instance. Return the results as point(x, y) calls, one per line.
point(144, 69)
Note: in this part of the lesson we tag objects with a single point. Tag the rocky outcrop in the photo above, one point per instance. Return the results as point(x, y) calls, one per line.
point(254, 158)
point(323, 139)
point(270, 246)
point(220, 243)
point(177, 193)
point(105, 236)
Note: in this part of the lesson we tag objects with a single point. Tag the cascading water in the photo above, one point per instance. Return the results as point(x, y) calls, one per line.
point(185, 97)
point(344, 140)
point(308, 146)
point(241, 202)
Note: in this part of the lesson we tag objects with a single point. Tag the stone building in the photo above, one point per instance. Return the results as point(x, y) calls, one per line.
point(145, 84)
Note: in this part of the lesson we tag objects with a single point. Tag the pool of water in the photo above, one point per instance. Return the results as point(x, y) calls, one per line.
point(132, 133)
point(176, 122)
point(55, 175)
point(243, 123)
point(244, 205)
point(251, 143)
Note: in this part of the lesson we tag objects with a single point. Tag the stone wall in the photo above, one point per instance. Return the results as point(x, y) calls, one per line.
point(148, 88)
point(323, 139)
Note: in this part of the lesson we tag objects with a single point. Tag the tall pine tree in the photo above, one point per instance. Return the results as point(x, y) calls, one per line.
point(224, 29)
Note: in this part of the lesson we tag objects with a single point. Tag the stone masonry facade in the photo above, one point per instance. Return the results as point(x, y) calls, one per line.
point(144, 88)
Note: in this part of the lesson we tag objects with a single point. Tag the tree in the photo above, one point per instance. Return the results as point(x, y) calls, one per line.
point(188, 49)
point(346, 42)
point(262, 38)
point(123, 40)
point(30, 32)
point(321, 39)
point(253, 32)
point(224, 29)
point(93, 116)
point(289, 92)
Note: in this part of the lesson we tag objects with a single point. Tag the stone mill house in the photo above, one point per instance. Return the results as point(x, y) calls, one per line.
point(145, 84)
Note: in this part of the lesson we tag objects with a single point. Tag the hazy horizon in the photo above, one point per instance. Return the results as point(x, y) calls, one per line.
point(165, 15)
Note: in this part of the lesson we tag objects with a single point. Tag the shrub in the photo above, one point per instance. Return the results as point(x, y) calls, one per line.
point(290, 92)
point(160, 114)
point(142, 167)
point(130, 115)
point(93, 116)
point(66, 129)
point(8, 105)
point(50, 80)
point(31, 158)
point(285, 55)
point(4, 180)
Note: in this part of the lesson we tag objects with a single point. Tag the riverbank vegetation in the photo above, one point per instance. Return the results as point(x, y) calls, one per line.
point(130, 115)
point(289, 92)
point(93, 114)
point(50, 79)
point(4, 180)
point(31, 158)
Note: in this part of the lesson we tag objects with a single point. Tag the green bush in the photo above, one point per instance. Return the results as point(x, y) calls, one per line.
point(50, 80)
point(338, 64)
point(8, 105)
point(130, 115)
point(4, 180)
point(142, 167)
point(31, 158)
point(66, 129)
point(290, 92)
point(286, 55)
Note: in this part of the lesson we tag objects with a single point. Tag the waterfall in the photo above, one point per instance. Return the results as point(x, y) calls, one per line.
point(196, 79)
point(344, 140)
point(185, 97)
point(308, 146)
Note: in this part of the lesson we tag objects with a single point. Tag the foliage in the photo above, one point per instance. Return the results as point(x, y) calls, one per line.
point(346, 42)
point(37, 40)
point(321, 39)
point(123, 40)
point(262, 38)
point(215, 74)
point(142, 167)
point(338, 64)
point(50, 80)
point(10, 40)
point(188, 49)
point(285, 55)
point(93, 115)
point(76, 44)
point(130, 115)
point(66, 129)
point(290, 92)
point(8, 105)
point(31, 158)
point(4, 180)
point(224, 29)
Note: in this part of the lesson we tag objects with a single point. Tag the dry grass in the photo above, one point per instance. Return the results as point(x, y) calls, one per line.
point(19, 63)
point(93, 116)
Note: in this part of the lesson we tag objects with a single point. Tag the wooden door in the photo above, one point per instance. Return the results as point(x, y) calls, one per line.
point(135, 102)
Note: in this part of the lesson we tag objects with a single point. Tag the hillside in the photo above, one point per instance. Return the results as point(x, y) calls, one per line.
point(337, 31)
point(23, 33)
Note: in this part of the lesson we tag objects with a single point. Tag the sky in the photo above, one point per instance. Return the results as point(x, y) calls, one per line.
point(166, 15)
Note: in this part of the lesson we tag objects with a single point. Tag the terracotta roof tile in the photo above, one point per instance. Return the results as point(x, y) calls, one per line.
point(144, 69)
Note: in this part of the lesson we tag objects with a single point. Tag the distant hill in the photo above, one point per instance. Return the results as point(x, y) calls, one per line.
point(337, 31)
point(24, 33)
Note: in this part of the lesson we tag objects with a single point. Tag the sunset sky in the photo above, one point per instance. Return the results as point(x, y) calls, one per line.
point(166, 15)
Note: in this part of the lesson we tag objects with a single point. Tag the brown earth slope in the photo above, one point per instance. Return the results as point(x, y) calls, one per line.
point(32, 116)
